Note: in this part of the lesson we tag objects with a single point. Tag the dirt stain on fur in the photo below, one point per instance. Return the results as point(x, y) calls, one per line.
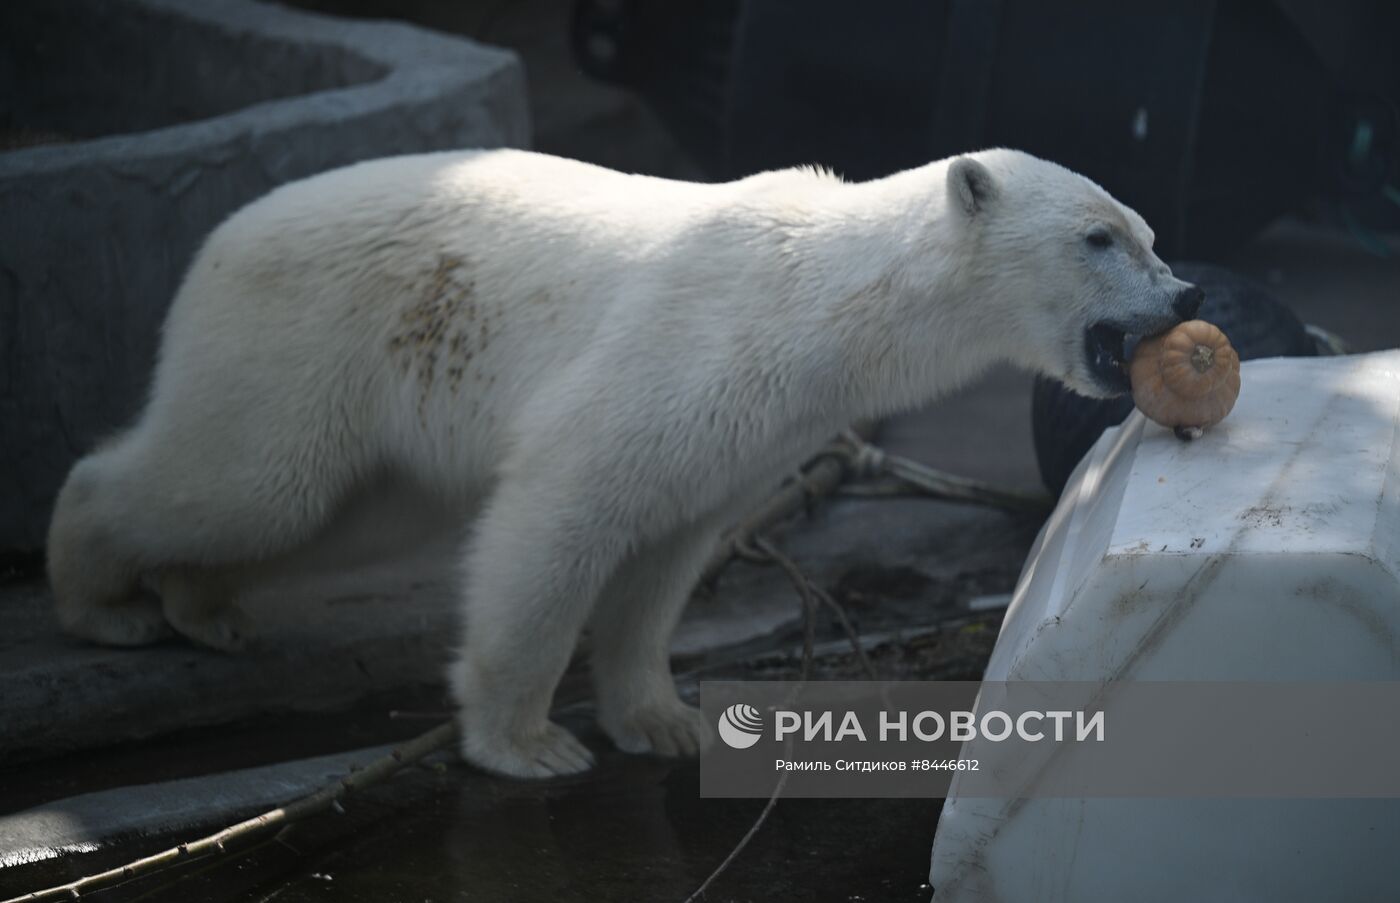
point(442, 329)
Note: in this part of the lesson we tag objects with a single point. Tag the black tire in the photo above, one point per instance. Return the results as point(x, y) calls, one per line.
point(1066, 425)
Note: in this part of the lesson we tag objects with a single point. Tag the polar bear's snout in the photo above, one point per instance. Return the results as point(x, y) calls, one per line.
point(1173, 303)
point(1188, 302)
point(1108, 343)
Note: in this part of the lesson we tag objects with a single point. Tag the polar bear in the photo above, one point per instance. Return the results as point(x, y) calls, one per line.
point(609, 367)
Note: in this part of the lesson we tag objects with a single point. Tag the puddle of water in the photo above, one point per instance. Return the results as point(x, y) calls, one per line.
point(635, 829)
point(638, 831)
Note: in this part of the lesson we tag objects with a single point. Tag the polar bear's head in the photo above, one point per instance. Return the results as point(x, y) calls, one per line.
point(1065, 270)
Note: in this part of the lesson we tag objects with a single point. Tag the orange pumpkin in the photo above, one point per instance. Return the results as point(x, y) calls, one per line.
point(1187, 378)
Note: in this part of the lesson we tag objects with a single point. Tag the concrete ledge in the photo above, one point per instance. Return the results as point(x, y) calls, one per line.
point(95, 235)
point(328, 641)
point(83, 824)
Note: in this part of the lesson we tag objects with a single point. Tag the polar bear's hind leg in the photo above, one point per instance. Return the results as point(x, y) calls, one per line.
point(163, 503)
point(201, 604)
point(94, 571)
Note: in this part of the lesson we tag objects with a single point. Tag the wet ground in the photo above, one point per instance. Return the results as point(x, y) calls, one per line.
point(635, 829)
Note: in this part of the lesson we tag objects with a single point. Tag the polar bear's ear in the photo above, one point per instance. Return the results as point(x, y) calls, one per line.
point(970, 185)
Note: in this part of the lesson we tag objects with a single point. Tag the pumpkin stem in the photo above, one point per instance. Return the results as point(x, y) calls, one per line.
point(1202, 358)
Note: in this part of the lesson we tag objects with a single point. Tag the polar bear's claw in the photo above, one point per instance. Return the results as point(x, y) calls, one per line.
point(673, 729)
point(550, 753)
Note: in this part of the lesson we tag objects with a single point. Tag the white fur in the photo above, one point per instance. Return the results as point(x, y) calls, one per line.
point(612, 364)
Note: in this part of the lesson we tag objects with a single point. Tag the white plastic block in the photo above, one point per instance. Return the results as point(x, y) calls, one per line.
point(1266, 550)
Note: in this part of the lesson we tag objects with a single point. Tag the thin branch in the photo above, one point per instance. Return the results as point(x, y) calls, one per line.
point(849, 629)
point(873, 460)
point(819, 479)
point(699, 892)
point(809, 601)
point(811, 594)
point(416, 715)
point(853, 457)
point(328, 797)
point(803, 586)
point(760, 548)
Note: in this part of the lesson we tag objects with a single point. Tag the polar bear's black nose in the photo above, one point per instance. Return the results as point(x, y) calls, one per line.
point(1188, 302)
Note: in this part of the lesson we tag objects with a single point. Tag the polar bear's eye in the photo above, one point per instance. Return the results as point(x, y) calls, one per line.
point(1099, 238)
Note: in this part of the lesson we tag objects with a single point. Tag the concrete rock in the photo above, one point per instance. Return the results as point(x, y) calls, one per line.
point(330, 638)
point(94, 235)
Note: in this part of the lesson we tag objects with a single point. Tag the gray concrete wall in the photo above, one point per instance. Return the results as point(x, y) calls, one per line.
point(94, 235)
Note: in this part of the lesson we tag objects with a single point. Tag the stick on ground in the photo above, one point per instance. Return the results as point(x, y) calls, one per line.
point(327, 797)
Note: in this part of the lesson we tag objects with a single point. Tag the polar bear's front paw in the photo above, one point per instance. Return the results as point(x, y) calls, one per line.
point(548, 752)
point(671, 728)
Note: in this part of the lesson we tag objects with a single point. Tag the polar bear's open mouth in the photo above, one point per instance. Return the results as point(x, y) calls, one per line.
point(1108, 362)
